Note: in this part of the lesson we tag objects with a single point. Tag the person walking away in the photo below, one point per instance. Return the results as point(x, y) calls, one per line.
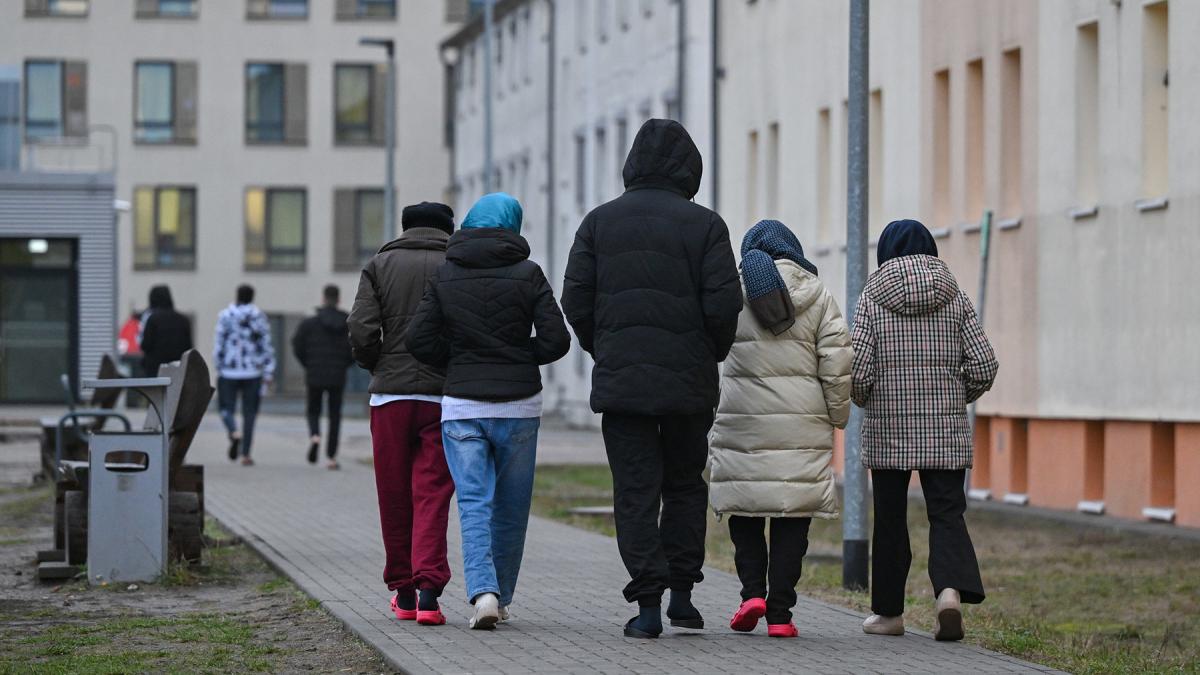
point(920, 357)
point(166, 334)
point(412, 480)
point(245, 363)
point(476, 319)
point(321, 345)
point(652, 293)
point(784, 387)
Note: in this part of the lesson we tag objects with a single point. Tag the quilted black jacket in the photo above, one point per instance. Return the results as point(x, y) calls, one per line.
point(477, 315)
point(651, 288)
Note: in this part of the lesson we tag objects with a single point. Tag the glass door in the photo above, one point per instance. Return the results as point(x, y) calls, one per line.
point(38, 326)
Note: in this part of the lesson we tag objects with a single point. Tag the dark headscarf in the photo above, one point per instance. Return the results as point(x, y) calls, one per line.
point(160, 297)
point(766, 242)
point(905, 237)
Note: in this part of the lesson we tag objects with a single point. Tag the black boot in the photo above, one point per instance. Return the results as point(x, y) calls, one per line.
point(681, 611)
point(646, 625)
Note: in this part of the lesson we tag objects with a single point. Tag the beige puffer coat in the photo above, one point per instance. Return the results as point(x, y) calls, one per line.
point(771, 446)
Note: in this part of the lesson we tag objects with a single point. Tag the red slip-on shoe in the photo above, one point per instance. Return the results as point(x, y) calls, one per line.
point(782, 630)
point(747, 616)
point(433, 617)
point(403, 614)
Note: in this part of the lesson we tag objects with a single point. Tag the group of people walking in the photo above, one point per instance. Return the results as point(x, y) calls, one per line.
point(453, 327)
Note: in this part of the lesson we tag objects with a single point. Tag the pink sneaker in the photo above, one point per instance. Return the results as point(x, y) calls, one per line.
point(747, 616)
point(431, 617)
point(403, 614)
point(785, 630)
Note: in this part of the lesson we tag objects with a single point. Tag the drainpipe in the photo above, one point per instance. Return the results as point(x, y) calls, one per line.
point(717, 74)
point(551, 185)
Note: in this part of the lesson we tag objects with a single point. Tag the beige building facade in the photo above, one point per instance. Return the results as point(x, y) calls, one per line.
point(1069, 122)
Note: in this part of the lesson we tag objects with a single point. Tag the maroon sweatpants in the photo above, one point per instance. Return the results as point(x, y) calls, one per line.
point(414, 487)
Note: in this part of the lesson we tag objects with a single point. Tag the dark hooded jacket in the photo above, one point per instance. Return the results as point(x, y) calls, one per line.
point(166, 334)
point(320, 345)
point(651, 287)
point(389, 291)
point(478, 313)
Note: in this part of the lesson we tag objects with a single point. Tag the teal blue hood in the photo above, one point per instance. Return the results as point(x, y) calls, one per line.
point(497, 209)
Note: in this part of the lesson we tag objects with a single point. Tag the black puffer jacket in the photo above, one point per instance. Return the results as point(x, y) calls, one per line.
point(322, 347)
point(166, 334)
point(651, 286)
point(477, 315)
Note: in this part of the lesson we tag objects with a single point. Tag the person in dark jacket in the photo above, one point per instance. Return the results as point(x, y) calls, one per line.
point(321, 346)
point(411, 477)
point(653, 294)
point(166, 334)
point(476, 319)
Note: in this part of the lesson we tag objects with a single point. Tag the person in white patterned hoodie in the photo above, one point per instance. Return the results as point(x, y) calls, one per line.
point(245, 362)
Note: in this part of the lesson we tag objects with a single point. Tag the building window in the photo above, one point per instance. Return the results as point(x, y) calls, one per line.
point(602, 14)
point(359, 92)
point(366, 9)
point(974, 122)
point(824, 175)
point(1010, 134)
point(165, 95)
point(164, 228)
point(151, 9)
point(875, 172)
point(622, 149)
point(1087, 114)
point(277, 9)
point(773, 170)
point(56, 8)
point(276, 100)
point(358, 222)
point(10, 119)
point(600, 175)
point(941, 148)
point(1154, 99)
point(275, 228)
point(580, 172)
point(672, 108)
point(55, 99)
point(752, 182)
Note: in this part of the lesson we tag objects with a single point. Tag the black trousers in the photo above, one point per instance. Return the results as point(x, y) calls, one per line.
point(657, 463)
point(333, 396)
point(952, 562)
point(770, 574)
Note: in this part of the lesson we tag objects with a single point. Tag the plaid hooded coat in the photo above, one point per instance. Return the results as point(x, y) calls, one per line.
point(920, 356)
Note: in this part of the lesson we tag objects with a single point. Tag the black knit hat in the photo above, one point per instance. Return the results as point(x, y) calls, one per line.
point(428, 214)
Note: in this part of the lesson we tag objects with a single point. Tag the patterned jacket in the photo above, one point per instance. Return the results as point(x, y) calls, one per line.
point(242, 344)
point(920, 356)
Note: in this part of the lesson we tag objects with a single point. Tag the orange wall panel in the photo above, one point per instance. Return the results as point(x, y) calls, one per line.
point(1187, 474)
point(1058, 456)
point(1008, 466)
point(1138, 467)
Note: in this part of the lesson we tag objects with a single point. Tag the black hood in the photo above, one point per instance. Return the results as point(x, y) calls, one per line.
point(664, 156)
point(429, 238)
point(903, 238)
point(160, 298)
point(332, 319)
point(487, 247)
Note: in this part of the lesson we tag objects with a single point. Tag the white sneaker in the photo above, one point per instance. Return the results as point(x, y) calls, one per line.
point(884, 625)
point(487, 612)
point(504, 615)
point(949, 624)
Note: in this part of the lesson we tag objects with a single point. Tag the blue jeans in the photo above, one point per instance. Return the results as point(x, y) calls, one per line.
point(492, 461)
point(228, 391)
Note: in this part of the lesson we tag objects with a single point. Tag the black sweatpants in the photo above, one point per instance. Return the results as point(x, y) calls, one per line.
point(952, 562)
point(658, 461)
point(770, 574)
point(333, 396)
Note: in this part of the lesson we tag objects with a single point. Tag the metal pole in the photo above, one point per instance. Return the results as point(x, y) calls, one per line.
point(855, 551)
point(389, 190)
point(985, 248)
point(487, 95)
point(681, 59)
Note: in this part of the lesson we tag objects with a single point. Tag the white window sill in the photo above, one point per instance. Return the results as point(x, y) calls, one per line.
point(1009, 223)
point(1095, 508)
point(1017, 498)
point(969, 228)
point(1159, 513)
point(940, 232)
point(979, 494)
point(1151, 204)
point(1084, 212)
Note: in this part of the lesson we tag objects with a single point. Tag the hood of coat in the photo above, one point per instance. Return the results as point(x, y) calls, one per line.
point(912, 285)
point(803, 286)
point(160, 298)
point(332, 319)
point(664, 156)
point(428, 238)
point(486, 248)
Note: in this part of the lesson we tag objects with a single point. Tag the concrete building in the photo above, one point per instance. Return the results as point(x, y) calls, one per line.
point(246, 136)
point(573, 82)
point(1068, 120)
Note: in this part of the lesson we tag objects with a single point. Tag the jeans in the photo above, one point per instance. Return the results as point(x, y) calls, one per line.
point(414, 488)
point(228, 391)
point(492, 462)
point(952, 562)
point(313, 411)
point(660, 499)
point(770, 574)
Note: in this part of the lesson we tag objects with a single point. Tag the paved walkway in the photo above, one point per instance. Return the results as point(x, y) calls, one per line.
point(321, 529)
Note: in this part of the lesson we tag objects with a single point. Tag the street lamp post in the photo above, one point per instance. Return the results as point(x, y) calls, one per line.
point(389, 126)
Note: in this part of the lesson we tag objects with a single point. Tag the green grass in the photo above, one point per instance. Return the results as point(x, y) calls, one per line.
point(1083, 599)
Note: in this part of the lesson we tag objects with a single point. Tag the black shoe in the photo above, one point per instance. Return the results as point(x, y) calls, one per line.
point(631, 631)
point(312, 452)
point(235, 444)
point(682, 613)
point(647, 625)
